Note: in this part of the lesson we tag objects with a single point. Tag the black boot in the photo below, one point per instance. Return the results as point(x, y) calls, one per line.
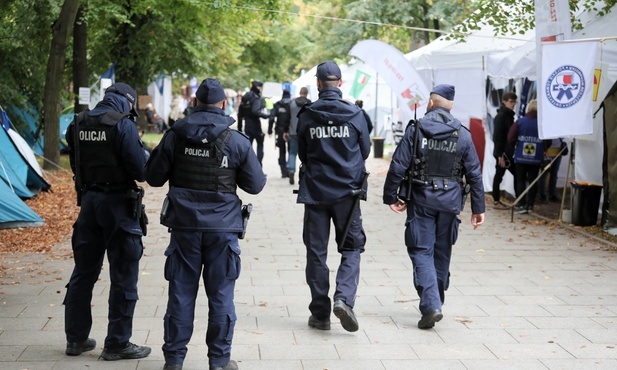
point(291, 178)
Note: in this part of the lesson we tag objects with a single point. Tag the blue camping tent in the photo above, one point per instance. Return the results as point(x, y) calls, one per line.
point(16, 171)
point(14, 212)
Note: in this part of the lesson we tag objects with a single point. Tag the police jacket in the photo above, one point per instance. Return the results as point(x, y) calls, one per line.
point(501, 126)
point(443, 136)
point(529, 147)
point(250, 111)
point(333, 143)
point(295, 106)
point(280, 115)
point(112, 155)
point(194, 205)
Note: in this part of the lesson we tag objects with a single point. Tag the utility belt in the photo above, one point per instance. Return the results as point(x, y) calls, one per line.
point(434, 182)
point(108, 188)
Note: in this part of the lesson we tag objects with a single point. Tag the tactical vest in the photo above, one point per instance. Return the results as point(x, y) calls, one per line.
point(438, 160)
point(529, 147)
point(203, 166)
point(283, 114)
point(100, 165)
point(246, 104)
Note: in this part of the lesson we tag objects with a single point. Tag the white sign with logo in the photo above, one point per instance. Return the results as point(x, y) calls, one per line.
point(566, 89)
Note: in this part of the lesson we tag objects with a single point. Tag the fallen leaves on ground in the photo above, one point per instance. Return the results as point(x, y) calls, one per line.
point(56, 207)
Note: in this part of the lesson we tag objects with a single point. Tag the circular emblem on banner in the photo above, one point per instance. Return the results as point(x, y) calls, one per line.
point(565, 86)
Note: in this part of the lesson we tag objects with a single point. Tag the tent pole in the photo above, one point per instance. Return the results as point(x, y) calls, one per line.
point(376, 128)
point(565, 187)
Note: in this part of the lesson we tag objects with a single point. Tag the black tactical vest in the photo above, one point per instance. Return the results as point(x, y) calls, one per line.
point(100, 165)
point(203, 166)
point(438, 159)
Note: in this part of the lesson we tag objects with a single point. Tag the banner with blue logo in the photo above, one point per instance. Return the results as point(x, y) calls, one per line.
point(566, 89)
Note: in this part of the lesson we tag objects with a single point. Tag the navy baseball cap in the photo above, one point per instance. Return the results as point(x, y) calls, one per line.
point(445, 91)
point(127, 91)
point(210, 91)
point(328, 71)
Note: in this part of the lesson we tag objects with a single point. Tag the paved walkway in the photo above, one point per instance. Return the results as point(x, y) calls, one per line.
point(523, 295)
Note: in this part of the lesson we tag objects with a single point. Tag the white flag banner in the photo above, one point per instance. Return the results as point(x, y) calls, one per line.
point(398, 73)
point(566, 89)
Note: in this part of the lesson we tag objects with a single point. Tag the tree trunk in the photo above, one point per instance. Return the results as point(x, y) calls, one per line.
point(436, 26)
point(61, 33)
point(80, 57)
point(427, 36)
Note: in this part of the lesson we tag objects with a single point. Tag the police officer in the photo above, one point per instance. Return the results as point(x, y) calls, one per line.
point(444, 154)
point(280, 115)
point(251, 110)
point(107, 158)
point(204, 162)
point(333, 143)
point(291, 135)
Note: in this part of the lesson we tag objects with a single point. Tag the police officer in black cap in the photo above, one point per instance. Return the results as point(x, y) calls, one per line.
point(442, 154)
point(251, 110)
point(204, 162)
point(280, 118)
point(107, 158)
point(333, 143)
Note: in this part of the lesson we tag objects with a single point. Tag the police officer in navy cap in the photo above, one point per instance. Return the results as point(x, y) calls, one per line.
point(280, 118)
point(333, 144)
point(251, 110)
point(204, 162)
point(107, 158)
point(445, 168)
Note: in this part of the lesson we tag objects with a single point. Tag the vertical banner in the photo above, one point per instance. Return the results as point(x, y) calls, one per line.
point(566, 89)
point(398, 73)
point(552, 24)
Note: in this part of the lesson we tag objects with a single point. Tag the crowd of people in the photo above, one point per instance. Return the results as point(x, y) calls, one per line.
point(204, 161)
point(519, 150)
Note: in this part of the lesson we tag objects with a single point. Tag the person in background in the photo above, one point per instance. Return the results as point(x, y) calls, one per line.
point(553, 149)
point(292, 134)
point(204, 162)
point(360, 105)
point(251, 112)
point(528, 155)
point(177, 106)
point(154, 119)
point(502, 150)
point(280, 115)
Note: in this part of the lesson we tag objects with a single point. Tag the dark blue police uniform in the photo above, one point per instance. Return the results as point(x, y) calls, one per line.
point(204, 161)
point(333, 144)
point(111, 159)
point(281, 115)
point(445, 155)
point(250, 111)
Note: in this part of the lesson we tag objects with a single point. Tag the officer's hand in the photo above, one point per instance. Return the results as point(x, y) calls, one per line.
point(285, 136)
point(501, 162)
point(477, 220)
point(399, 206)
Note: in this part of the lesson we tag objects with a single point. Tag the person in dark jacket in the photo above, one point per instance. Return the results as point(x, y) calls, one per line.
point(107, 157)
point(528, 155)
point(251, 110)
point(444, 154)
point(291, 135)
point(502, 151)
point(280, 119)
point(333, 144)
point(204, 162)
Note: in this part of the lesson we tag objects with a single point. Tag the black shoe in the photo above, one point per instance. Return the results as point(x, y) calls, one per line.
point(172, 367)
point(130, 352)
point(319, 324)
point(346, 315)
point(75, 348)
point(554, 199)
point(428, 321)
point(284, 176)
point(291, 178)
point(232, 365)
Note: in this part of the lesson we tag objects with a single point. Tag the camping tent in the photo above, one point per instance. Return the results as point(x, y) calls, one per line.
point(16, 171)
point(14, 212)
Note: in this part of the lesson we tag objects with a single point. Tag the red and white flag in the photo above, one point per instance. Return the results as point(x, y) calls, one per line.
point(565, 90)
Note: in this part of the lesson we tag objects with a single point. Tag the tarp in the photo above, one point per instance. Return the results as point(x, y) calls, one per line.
point(14, 212)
